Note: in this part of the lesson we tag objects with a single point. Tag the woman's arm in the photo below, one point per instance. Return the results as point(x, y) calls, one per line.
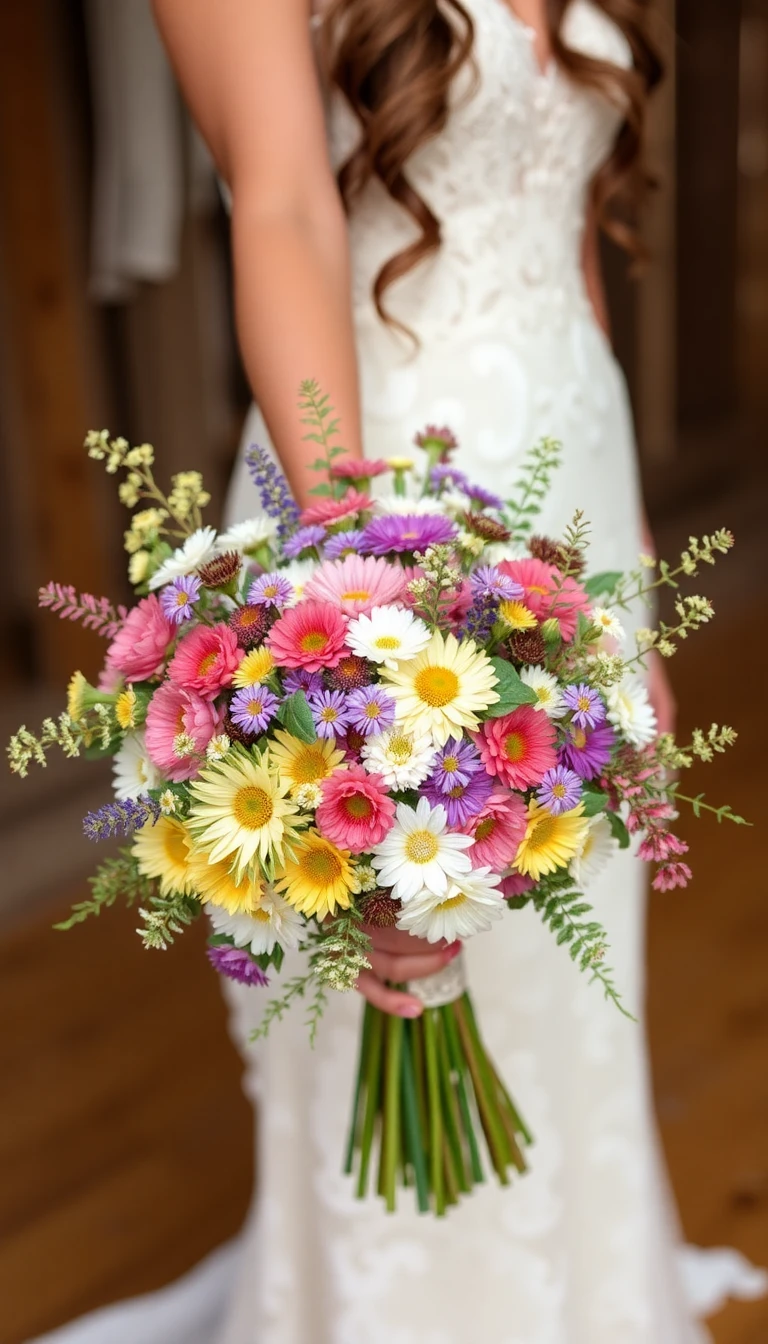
point(247, 70)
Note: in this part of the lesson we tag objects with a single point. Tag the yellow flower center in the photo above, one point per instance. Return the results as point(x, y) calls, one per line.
point(313, 642)
point(386, 642)
point(584, 703)
point(579, 736)
point(558, 791)
point(309, 766)
point(372, 710)
point(514, 746)
point(328, 714)
point(450, 764)
point(175, 847)
point(356, 595)
point(436, 686)
point(358, 807)
point(537, 588)
point(400, 749)
point(252, 807)
point(486, 828)
point(451, 902)
point(260, 915)
point(207, 663)
point(322, 866)
point(255, 707)
point(181, 598)
point(457, 791)
point(543, 831)
point(271, 590)
point(544, 694)
point(421, 847)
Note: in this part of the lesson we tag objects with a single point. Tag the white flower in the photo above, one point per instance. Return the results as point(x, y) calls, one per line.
point(599, 845)
point(133, 771)
point(388, 635)
point(197, 550)
point(168, 802)
point(298, 574)
point(401, 504)
point(470, 905)
point(547, 688)
point(630, 711)
point(608, 621)
point(218, 747)
point(419, 852)
point(402, 759)
point(272, 921)
point(365, 878)
point(455, 502)
point(248, 536)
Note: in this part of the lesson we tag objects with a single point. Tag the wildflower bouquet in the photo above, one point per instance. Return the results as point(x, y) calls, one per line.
point(396, 711)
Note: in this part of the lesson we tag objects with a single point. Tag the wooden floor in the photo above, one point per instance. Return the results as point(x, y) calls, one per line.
point(125, 1143)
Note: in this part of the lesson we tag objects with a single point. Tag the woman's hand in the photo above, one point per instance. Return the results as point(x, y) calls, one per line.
point(397, 956)
point(660, 693)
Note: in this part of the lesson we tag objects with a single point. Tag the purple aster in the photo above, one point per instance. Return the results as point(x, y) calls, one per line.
point(461, 801)
point(178, 598)
point(445, 474)
point(586, 703)
point(588, 752)
point(406, 532)
point(482, 497)
point(455, 763)
point(370, 710)
point(303, 540)
point(298, 679)
point(330, 713)
point(120, 818)
point(487, 581)
point(560, 790)
point(270, 590)
point(237, 964)
point(343, 543)
point(253, 708)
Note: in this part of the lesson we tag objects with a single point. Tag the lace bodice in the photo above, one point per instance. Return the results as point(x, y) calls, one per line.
point(507, 178)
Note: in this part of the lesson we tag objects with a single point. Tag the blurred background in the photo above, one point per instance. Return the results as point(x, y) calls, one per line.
point(124, 1140)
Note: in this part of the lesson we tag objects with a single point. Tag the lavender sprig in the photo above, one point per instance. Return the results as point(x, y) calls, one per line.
point(121, 818)
point(276, 498)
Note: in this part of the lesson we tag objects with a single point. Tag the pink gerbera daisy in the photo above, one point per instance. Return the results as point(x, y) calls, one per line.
point(356, 811)
point(497, 830)
point(329, 510)
point(519, 747)
point(357, 583)
point(138, 650)
point(179, 726)
point(547, 594)
point(206, 660)
point(310, 635)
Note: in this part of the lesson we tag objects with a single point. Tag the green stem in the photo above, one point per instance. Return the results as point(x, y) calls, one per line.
point(355, 1121)
point(494, 1130)
point(454, 1050)
point(412, 1126)
point(451, 1112)
point(372, 1086)
point(391, 1138)
point(435, 1114)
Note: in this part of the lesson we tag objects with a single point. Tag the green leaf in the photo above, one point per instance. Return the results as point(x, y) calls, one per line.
point(602, 583)
point(594, 800)
point(619, 830)
point(511, 690)
point(296, 717)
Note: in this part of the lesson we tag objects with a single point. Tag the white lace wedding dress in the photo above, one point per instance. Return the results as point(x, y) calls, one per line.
point(582, 1250)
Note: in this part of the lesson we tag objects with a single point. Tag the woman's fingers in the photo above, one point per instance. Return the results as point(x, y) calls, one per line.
point(397, 967)
point(390, 1001)
point(398, 940)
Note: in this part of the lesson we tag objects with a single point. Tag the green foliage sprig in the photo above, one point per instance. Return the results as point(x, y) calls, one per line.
point(164, 917)
point(293, 989)
point(341, 949)
point(115, 879)
point(318, 414)
point(530, 492)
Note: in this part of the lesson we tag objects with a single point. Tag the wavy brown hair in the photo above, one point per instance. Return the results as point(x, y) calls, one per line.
point(395, 63)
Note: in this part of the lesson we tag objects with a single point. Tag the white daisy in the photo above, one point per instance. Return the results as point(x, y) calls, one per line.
point(599, 845)
point(455, 502)
point(402, 504)
point(248, 536)
point(547, 688)
point(419, 852)
point(608, 621)
point(272, 921)
point(298, 574)
point(470, 905)
point(197, 550)
point(388, 635)
point(133, 771)
point(402, 759)
point(630, 711)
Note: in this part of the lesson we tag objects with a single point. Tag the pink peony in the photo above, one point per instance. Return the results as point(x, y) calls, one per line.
point(173, 711)
point(141, 645)
point(357, 583)
point(333, 510)
point(497, 830)
point(206, 660)
point(310, 635)
point(519, 747)
point(356, 811)
point(547, 594)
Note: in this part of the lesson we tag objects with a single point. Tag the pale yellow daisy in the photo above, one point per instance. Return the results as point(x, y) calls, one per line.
point(443, 689)
point(162, 851)
point(300, 762)
point(240, 812)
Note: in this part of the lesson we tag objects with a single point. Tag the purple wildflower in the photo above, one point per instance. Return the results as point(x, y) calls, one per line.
point(487, 581)
point(483, 498)
point(455, 763)
point(406, 532)
point(330, 713)
point(120, 818)
point(276, 498)
point(178, 598)
point(253, 708)
point(370, 710)
point(303, 540)
point(588, 752)
point(461, 801)
point(271, 590)
point(237, 964)
point(445, 474)
point(586, 703)
point(299, 679)
point(560, 790)
point(343, 543)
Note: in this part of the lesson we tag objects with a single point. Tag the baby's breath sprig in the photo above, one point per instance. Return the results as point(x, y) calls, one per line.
point(340, 951)
point(26, 747)
point(440, 580)
point(532, 486)
point(693, 612)
point(704, 551)
point(164, 917)
point(183, 505)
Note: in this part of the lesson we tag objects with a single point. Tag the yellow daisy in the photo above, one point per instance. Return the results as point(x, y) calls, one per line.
point(255, 668)
point(75, 696)
point(217, 884)
point(162, 851)
point(550, 842)
point(318, 878)
point(125, 709)
point(300, 762)
point(442, 690)
point(517, 616)
point(240, 813)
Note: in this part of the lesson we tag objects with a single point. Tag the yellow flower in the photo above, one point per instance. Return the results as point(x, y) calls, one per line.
point(216, 883)
point(304, 762)
point(400, 463)
point(255, 668)
point(318, 878)
point(162, 851)
point(240, 813)
point(75, 696)
point(517, 616)
point(139, 566)
point(442, 690)
point(550, 842)
point(125, 709)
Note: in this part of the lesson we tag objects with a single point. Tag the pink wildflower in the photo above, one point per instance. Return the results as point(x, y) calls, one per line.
point(141, 645)
point(672, 875)
point(329, 510)
point(206, 660)
point(497, 830)
point(547, 594)
point(356, 811)
point(173, 711)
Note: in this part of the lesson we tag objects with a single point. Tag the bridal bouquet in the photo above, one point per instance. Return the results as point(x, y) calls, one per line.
point(403, 711)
